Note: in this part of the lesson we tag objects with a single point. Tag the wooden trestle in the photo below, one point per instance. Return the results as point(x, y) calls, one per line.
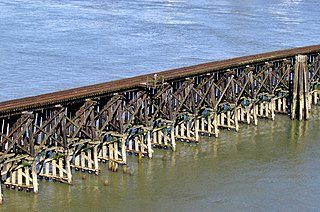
point(52, 141)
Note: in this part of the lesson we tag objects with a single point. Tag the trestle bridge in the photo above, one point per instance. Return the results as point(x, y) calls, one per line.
point(54, 134)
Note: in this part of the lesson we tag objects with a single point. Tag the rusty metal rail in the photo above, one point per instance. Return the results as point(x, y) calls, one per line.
point(92, 91)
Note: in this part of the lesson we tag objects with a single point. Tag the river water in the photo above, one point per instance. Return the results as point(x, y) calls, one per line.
point(53, 45)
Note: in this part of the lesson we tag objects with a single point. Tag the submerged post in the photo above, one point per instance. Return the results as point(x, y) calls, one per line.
point(300, 95)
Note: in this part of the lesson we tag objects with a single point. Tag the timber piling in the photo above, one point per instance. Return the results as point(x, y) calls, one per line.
point(52, 135)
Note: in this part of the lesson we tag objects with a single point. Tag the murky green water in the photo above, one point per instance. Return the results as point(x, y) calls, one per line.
point(271, 167)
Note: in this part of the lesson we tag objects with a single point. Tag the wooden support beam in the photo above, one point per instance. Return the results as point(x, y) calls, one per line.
point(34, 177)
point(68, 157)
point(173, 139)
point(255, 112)
point(315, 97)
point(110, 162)
point(215, 124)
point(306, 96)
point(196, 129)
point(95, 159)
point(123, 149)
point(300, 98)
point(150, 151)
point(1, 192)
point(116, 156)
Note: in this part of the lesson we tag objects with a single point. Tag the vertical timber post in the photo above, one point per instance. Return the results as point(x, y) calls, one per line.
point(1, 195)
point(68, 166)
point(123, 149)
point(196, 128)
point(67, 151)
point(34, 176)
point(307, 105)
point(300, 94)
point(216, 131)
point(149, 143)
point(173, 139)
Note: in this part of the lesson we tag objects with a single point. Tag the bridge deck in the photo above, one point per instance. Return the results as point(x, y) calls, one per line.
point(62, 97)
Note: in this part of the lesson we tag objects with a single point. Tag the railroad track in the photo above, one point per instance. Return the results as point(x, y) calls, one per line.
point(92, 91)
